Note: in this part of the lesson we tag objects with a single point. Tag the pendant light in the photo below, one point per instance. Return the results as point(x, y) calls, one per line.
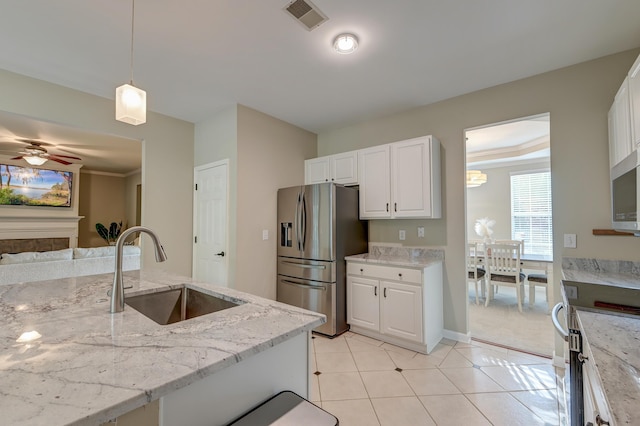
point(475, 178)
point(131, 102)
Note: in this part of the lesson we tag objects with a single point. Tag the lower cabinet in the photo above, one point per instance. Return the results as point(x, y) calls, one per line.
point(402, 306)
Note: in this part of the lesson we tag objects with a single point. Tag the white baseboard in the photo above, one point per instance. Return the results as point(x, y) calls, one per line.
point(458, 337)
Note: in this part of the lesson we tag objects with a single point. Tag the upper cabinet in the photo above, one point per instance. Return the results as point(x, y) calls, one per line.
point(339, 168)
point(400, 180)
point(624, 117)
point(620, 142)
point(634, 97)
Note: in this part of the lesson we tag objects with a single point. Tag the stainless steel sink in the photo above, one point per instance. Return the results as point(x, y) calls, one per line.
point(178, 304)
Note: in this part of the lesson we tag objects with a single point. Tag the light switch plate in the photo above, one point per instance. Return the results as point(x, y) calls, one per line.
point(571, 291)
point(265, 234)
point(570, 241)
point(402, 235)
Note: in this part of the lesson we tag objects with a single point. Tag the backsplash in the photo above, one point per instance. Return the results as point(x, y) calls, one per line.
point(394, 250)
point(625, 267)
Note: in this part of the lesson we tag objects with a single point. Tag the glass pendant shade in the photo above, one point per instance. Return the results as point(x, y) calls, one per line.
point(131, 105)
point(475, 178)
point(34, 160)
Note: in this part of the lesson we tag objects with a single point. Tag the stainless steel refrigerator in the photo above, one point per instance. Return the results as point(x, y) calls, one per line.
point(318, 226)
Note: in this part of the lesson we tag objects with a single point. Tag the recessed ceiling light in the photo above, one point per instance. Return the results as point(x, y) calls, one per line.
point(345, 43)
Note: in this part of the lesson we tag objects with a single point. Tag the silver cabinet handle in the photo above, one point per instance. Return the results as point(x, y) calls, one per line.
point(304, 266)
point(556, 322)
point(310, 287)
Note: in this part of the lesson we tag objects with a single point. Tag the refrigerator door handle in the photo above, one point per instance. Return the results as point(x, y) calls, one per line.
point(298, 204)
point(309, 287)
point(302, 265)
point(303, 230)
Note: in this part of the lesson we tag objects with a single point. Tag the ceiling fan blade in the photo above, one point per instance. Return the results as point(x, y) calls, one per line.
point(59, 160)
point(18, 158)
point(65, 156)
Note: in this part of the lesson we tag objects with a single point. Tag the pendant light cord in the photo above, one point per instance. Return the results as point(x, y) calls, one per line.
point(133, 10)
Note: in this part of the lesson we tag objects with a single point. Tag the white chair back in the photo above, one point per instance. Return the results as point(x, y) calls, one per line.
point(520, 242)
point(504, 259)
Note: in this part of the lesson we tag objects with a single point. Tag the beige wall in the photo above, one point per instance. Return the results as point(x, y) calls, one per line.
point(271, 155)
point(264, 154)
point(131, 182)
point(577, 97)
point(167, 156)
point(102, 200)
point(217, 139)
point(493, 200)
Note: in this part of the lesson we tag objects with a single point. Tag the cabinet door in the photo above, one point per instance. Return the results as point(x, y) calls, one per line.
point(344, 168)
point(316, 170)
point(401, 310)
point(634, 97)
point(621, 121)
point(363, 304)
point(375, 193)
point(410, 178)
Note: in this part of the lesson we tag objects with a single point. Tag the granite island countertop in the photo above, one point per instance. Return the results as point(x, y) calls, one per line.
point(90, 366)
point(615, 341)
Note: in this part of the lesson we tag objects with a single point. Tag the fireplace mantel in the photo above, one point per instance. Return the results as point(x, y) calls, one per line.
point(25, 227)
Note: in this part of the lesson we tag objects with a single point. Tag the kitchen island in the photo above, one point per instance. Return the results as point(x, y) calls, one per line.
point(611, 363)
point(84, 365)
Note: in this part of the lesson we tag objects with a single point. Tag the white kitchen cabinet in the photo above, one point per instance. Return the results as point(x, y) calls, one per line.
point(634, 101)
point(595, 401)
point(399, 305)
point(339, 168)
point(400, 180)
point(363, 303)
point(620, 142)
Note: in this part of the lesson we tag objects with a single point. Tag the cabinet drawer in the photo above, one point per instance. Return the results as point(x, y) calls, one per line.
point(385, 272)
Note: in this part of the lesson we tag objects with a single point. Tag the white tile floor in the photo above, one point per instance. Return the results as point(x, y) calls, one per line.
point(363, 381)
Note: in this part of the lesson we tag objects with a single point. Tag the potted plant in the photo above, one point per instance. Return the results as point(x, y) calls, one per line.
point(111, 234)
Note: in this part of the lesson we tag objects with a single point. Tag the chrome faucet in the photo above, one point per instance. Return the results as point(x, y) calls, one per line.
point(117, 291)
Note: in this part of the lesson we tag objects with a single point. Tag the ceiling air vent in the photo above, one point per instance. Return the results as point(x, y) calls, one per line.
point(306, 13)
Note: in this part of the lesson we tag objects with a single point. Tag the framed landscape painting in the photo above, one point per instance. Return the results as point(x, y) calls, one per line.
point(27, 186)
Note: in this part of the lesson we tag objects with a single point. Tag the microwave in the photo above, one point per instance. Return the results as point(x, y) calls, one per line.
point(625, 192)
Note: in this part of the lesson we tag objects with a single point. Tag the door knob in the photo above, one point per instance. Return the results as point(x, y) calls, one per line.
point(220, 254)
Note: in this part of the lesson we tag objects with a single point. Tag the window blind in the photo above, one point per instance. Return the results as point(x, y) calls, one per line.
point(531, 211)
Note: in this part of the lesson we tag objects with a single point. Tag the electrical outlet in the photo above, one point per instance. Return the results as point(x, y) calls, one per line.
point(420, 231)
point(403, 235)
point(571, 291)
point(570, 241)
point(265, 234)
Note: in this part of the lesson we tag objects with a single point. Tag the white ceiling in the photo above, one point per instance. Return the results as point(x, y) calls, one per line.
point(519, 141)
point(196, 57)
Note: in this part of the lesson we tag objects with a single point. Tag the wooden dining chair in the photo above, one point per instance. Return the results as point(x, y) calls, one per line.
point(475, 274)
point(503, 268)
point(537, 280)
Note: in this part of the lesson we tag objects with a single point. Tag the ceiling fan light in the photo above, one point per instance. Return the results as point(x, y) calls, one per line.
point(131, 105)
point(345, 43)
point(35, 160)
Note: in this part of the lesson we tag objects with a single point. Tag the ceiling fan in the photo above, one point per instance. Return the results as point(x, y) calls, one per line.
point(36, 155)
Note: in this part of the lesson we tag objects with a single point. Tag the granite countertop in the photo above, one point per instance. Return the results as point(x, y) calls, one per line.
point(411, 257)
point(605, 272)
point(614, 342)
point(90, 366)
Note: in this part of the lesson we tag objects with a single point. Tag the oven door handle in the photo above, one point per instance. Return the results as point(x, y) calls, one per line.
point(556, 321)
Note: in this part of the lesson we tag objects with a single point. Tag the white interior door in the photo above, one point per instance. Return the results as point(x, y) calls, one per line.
point(210, 223)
